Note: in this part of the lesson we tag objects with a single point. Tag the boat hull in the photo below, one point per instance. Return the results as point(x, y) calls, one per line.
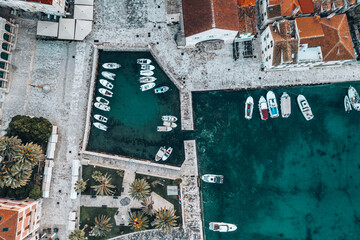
point(100, 126)
point(161, 89)
point(106, 84)
point(354, 98)
point(147, 79)
point(163, 129)
point(285, 105)
point(108, 75)
point(272, 104)
point(169, 118)
point(167, 154)
point(105, 92)
point(102, 100)
point(347, 104)
point(147, 86)
point(147, 67)
point(263, 109)
point(143, 61)
point(102, 106)
point(305, 107)
point(146, 73)
point(249, 106)
point(111, 65)
point(100, 118)
point(222, 227)
point(160, 154)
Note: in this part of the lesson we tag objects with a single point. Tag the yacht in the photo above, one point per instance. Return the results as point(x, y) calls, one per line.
point(212, 178)
point(347, 104)
point(222, 227)
point(102, 106)
point(272, 103)
point(146, 73)
point(147, 79)
point(102, 100)
point(161, 89)
point(111, 65)
point(167, 153)
point(105, 92)
point(100, 126)
point(170, 124)
point(106, 84)
point(263, 108)
point(163, 129)
point(169, 118)
point(285, 105)
point(305, 107)
point(143, 61)
point(147, 86)
point(100, 118)
point(160, 154)
point(249, 106)
point(108, 75)
point(354, 98)
point(147, 67)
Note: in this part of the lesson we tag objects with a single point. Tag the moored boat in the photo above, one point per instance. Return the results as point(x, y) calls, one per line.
point(108, 75)
point(100, 118)
point(106, 83)
point(222, 227)
point(160, 153)
point(272, 104)
point(102, 100)
point(147, 79)
point(285, 105)
point(147, 86)
point(161, 89)
point(146, 72)
point(263, 108)
point(105, 92)
point(163, 129)
point(249, 106)
point(305, 107)
point(169, 118)
point(347, 104)
point(354, 98)
point(167, 153)
point(111, 65)
point(147, 67)
point(170, 124)
point(100, 126)
point(143, 61)
point(102, 106)
point(212, 178)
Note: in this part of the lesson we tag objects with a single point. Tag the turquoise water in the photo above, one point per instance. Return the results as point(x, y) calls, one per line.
point(283, 178)
point(134, 114)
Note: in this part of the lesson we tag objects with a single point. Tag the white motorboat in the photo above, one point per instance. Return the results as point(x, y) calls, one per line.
point(249, 106)
point(108, 75)
point(167, 153)
point(111, 65)
point(143, 61)
point(102, 106)
point(169, 118)
point(161, 89)
point(105, 92)
point(106, 83)
point(347, 104)
point(170, 124)
point(102, 100)
point(160, 154)
point(100, 118)
point(147, 86)
point(354, 98)
point(305, 107)
point(272, 103)
point(147, 79)
point(163, 129)
point(285, 105)
point(100, 126)
point(147, 67)
point(212, 178)
point(222, 227)
point(263, 108)
point(146, 73)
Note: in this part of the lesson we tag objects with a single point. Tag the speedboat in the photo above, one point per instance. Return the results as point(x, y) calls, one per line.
point(146, 72)
point(305, 107)
point(354, 98)
point(106, 84)
point(111, 65)
point(212, 178)
point(100, 126)
point(164, 129)
point(147, 86)
point(347, 104)
point(147, 79)
point(285, 105)
point(167, 153)
point(105, 92)
point(102, 100)
point(161, 89)
point(102, 106)
point(249, 106)
point(222, 227)
point(273, 106)
point(263, 108)
point(143, 61)
point(108, 75)
point(100, 118)
point(147, 67)
point(170, 124)
point(160, 154)
point(169, 118)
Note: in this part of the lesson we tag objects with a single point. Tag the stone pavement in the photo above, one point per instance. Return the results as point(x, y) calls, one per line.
point(186, 107)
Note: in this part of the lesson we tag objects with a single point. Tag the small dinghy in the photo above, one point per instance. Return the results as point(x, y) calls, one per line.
point(163, 129)
point(111, 65)
point(102, 100)
point(147, 86)
point(169, 118)
point(272, 104)
point(102, 106)
point(146, 73)
point(147, 67)
point(263, 108)
point(167, 154)
point(305, 107)
point(212, 178)
point(222, 227)
point(160, 154)
point(147, 79)
point(347, 104)
point(249, 106)
point(161, 89)
point(170, 124)
point(100, 118)
point(285, 105)
point(100, 126)
point(108, 75)
point(143, 61)
point(105, 92)
point(106, 84)
point(354, 98)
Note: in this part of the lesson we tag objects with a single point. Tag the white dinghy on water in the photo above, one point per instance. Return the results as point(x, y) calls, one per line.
point(305, 107)
point(143, 61)
point(147, 79)
point(147, 67)
point(285, 105)
point(106, 84)
point(100, 118)
point(111, 65)
point(102, 106)
point(108, 75)
point(102, 100)
point(222, 227)
point(249, 107)
point(147, 86)
point(272, 103)
point(100, 126)
point(105, 92)
point(146, 73)
point(160, 153)
point(167, 154)
point(169, 118)
point(354, 98)
point(347, 104)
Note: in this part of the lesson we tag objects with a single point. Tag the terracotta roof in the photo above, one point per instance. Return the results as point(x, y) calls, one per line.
point(226, 14)
point(9, 220)
point(327, 5)
point(42, 1)
point(247, 20)
point(246, 3)
point(278, 8)
point(309, 27)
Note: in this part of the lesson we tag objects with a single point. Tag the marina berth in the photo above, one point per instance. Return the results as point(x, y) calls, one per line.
point(249, 106)
point(108, 75)
point(272, 104)
point(305, 107)
point(285, 105)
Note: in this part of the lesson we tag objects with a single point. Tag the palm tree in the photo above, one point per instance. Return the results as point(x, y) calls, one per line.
point(80, 185)
point(30, 154)
point(77, 234)
point(102, 226)
point(138, 221)
point(104, 187)
point(165, 219)
point(18, 175)
point(139, 189)
point(97, 175)
point(9, 148)
point(148, 206)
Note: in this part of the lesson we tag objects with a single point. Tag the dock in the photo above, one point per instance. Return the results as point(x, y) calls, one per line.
point(186, 108)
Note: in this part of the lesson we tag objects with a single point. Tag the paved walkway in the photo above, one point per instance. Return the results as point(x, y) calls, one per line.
point(186, 107)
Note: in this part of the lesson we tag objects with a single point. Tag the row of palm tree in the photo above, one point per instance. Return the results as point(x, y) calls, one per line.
point(103, 188)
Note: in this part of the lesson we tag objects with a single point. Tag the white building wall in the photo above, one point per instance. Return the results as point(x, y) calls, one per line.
point(212, 34)
point(57, 8)
point(267, 47)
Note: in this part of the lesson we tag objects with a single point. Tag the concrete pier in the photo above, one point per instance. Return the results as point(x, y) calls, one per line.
point(186, 108)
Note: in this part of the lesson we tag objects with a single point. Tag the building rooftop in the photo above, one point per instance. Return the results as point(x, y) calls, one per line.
point(42, 1)
point(247, 16)
point(8, 221)
point(278, 8)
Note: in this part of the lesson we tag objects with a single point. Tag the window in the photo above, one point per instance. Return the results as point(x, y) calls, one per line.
point(271, 43)
point(212, 36)
point(5, 229)
point(0, 219)
point(269, 57)
point(196, 38)
point(267, 35)
point(265, 38)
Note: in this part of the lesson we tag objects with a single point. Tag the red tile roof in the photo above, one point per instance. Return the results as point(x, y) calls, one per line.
point(247, 19)
point(9, 220)
point(42, 1)
point(286, 7)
